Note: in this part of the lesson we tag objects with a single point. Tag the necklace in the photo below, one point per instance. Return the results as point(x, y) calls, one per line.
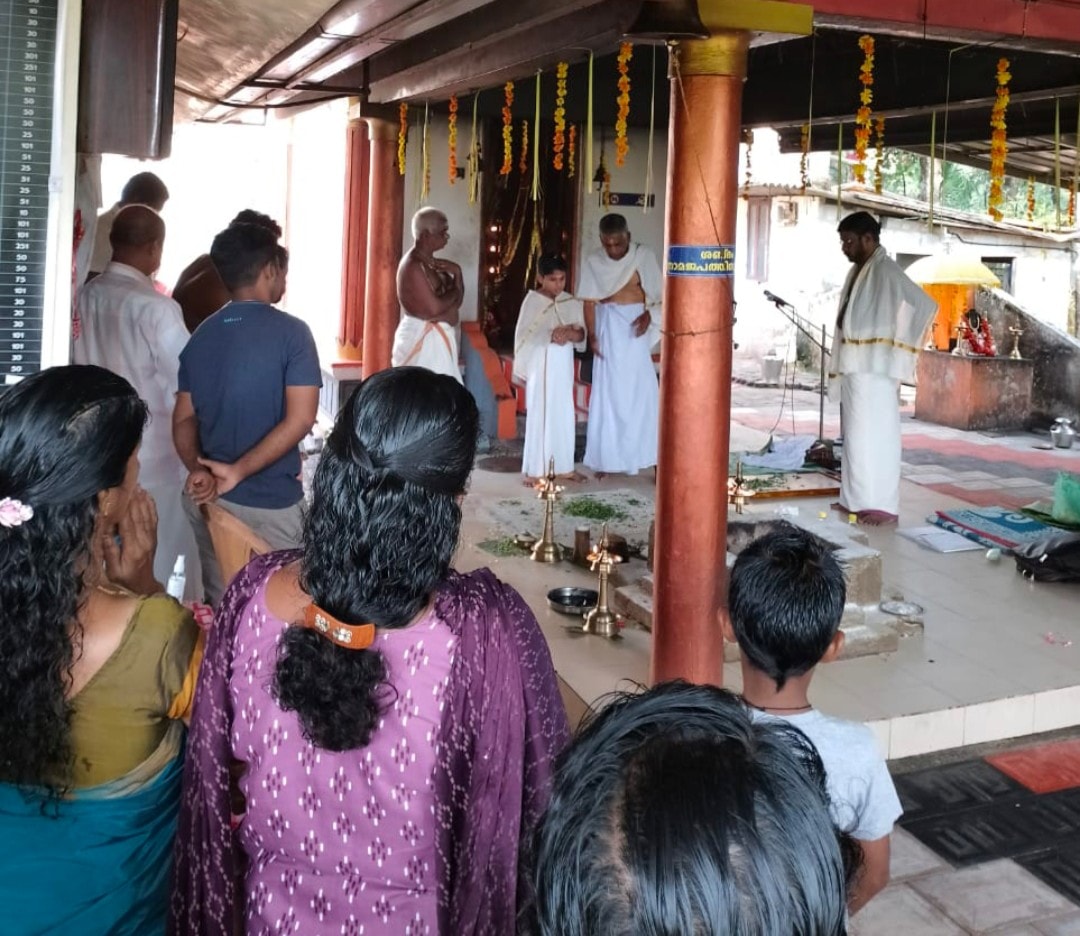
point(778, 708)
point(116, 591)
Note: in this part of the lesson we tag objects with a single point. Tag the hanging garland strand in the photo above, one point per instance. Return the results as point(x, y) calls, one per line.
point(508, 129)
point(523, 161)
point(402, 136)
point(748, 179)
point(864, 115)
point(1031, 198)
point(426, 155)
point(999, 147)
point(804, 158)
point(879, 153)
point(622, 145)
point(558, 143)
point(452, 133)
point(571, 152)
point(473, 169)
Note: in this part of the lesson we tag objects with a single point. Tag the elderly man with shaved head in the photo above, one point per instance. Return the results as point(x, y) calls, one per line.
point(430, 291)
point(134, 331)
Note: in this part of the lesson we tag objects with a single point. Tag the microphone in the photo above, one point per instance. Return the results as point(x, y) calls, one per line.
point(772, 297)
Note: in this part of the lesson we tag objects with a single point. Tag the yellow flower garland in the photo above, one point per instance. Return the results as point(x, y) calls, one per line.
point(879, 153)
point(402, 136)
point(863, 115)
point(571, 151)
point(559, 141)
point(1031, 198)
point(508, 130)
point(1072, 206)
point(998, 141)
point(622, 145)
point(523, 163)
point(452, 132)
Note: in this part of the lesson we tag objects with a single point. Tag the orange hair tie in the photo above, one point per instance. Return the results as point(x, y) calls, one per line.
point(349, 636)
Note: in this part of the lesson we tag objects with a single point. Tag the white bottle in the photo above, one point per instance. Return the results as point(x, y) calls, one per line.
point(177, 580)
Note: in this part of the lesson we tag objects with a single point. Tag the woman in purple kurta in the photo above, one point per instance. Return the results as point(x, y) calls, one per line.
point(386, 788)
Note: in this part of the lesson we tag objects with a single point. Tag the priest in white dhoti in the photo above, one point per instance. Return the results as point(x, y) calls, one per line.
point(550, 327)
point(128, 327)
point(880, 330)
point(430, 291)
point(622, 290)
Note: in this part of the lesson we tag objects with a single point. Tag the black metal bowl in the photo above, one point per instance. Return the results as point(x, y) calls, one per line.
point(572, 600)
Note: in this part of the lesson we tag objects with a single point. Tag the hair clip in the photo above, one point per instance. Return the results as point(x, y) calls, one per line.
point(14, 512)
point(349, 636)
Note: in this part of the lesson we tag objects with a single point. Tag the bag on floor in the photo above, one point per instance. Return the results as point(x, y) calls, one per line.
point(1052, 559)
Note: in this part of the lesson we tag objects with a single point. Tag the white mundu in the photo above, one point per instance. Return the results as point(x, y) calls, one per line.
point(128, 327)
point(547, 370)
point(884, 320)
point(624, 407)
point(420, 343)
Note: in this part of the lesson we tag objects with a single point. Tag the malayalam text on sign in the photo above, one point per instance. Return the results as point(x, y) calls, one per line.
point(701, 260)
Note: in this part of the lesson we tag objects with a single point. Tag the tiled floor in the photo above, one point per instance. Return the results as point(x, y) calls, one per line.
point(979, 851)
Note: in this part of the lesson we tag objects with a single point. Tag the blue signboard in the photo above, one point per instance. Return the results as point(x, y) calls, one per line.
point(703, 260)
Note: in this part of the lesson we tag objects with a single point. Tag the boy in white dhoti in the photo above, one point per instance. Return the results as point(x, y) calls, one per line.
point(879, 332)
point(550, 326)
point(622, 291)
point(430, 291)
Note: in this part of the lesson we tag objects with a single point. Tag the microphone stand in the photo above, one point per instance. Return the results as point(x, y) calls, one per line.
point(788, 311)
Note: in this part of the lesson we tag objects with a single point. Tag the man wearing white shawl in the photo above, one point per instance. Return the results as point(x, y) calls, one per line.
point(882, 320)
point(622, 291)
point(430, 291)
point(550, 327)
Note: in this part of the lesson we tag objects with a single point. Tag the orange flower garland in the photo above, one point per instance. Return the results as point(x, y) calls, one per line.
point(622, 145)
point(452, 124)
point(804, 158)
point(508, 130)
point(523, 164)
point(559, 141)
point(1031, 198)
point(571, 151)
point(879, 153)
point(1072, 206)
point(863, 114)
point(402, 136)
point(999, 148)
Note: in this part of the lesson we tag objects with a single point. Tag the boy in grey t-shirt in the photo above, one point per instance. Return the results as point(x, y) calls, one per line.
point(785, 600)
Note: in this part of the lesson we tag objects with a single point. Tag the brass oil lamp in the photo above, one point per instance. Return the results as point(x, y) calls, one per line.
point(547, 490)
point(601, 620)
point(738, 492)
point(1015, 353)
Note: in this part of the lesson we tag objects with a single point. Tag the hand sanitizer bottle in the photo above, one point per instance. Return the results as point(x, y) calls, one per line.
point(177, 580)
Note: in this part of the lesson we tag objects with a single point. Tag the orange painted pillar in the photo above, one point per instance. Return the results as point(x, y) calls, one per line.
point(354, 241)
point(695, 369)
point(386, 208)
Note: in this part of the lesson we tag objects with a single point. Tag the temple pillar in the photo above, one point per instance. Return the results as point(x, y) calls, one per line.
point(354, 240)
point(695, 371)
point(386, 208)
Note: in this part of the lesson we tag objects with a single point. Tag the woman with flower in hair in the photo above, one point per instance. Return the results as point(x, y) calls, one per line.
point(391, 722)
point(96, 665)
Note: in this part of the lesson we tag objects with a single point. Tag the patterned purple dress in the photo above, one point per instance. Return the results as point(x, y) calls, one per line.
point(418, 832)
point(342, 836)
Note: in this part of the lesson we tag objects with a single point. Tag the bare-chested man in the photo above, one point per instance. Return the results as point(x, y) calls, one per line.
point(622, 290)
point(430, 291)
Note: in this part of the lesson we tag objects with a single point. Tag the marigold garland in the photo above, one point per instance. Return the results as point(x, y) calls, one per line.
point(571, 151)
point(1031, 198)
point(804, 158)
point(998, 141)
point(508, 129)
point(559, 140)
point(863, 116)
point(452, 132)
point(622, 145)
point(402, 136)
point(523, 163)
point(879, 153)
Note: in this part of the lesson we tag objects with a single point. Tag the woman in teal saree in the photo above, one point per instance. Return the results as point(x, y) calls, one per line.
point(96, 665)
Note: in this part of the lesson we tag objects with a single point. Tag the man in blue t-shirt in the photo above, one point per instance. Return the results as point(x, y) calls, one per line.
point(248, 393)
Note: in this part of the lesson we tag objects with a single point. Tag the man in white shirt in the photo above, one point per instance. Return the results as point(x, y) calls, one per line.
point(621, 288)
point(144, 188)
point(134, 331)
